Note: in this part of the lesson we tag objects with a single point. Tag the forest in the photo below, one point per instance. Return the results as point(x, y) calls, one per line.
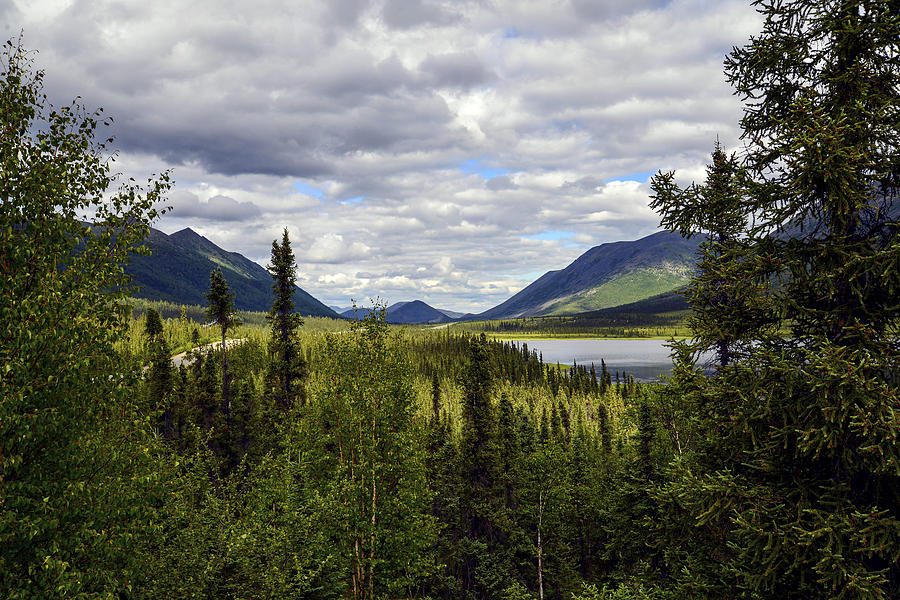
point(318, 459)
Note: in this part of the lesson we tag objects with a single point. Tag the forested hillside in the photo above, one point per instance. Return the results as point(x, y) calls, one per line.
point(377, 463)
point(178, 266)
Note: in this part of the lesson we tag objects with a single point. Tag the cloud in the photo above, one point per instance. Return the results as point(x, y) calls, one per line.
point(404, 14)
point(331, 248)
point(598, 10)
point(373, 106)
point(216, 208)
point(456, 70)
point(500, 182)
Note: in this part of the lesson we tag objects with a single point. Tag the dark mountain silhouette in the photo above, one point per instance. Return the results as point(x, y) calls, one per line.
point(415, 311)
point(178, 271)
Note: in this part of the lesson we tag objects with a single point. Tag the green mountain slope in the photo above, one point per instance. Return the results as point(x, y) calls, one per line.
point(178, 271)
point(630, 287)
point(606, 276)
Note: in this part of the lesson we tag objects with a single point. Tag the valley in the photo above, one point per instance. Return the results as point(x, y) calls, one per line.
point(605, 277)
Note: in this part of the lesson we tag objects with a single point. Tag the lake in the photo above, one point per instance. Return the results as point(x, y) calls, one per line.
point(646, 360)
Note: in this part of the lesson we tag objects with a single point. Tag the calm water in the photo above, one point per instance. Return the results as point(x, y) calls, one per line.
point(646, 360)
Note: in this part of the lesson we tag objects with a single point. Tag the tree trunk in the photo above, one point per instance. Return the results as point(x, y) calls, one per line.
point(372, 532)
point(540, 547)
point(226, 396)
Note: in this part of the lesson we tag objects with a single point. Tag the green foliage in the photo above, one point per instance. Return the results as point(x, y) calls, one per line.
point(221, 301)
point(635, 591)
point(793, 492)
point(287, 364)
point(365, 448)
point(729, 307)
point(153, 326)
point(80, 478)
point(221, 311)
point(431, 464)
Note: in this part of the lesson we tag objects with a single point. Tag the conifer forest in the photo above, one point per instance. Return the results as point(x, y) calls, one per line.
point(366, 461)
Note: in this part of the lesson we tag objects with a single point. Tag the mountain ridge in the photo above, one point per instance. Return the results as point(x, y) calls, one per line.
point(605, 276)
point(409, 312)
point(178, 269)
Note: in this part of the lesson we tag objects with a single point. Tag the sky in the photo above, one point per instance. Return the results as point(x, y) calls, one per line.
point(450, 152)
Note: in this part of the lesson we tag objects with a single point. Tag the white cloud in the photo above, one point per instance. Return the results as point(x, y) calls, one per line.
point(382, 106)
point(331, 248)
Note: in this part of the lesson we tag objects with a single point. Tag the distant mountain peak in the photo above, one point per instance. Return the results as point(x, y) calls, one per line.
point(186, 232)
point(607, 275)
point(407, 312)
point(178, 271)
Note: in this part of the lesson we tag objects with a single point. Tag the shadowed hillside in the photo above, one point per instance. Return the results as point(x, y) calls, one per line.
point(178, 271)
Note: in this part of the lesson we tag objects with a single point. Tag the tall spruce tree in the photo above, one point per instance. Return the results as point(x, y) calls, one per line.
point(153, 325)
point(725, 300)
point(221, 311)
point(807, 506)
point(287, 366)
point(481, 500)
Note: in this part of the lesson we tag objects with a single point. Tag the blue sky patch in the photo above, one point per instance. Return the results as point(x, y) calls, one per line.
point(354, 200)
point(511, 33)
point(550, 235)
point(474, 165)
point(638, 177)
point(305, 188)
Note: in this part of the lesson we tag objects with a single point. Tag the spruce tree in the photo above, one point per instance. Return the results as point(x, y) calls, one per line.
point(221, 311)
point(807, 503)
point(287, 367)
point(153, 325)
point(481, 501)
point(724, 299)
point(160, 381)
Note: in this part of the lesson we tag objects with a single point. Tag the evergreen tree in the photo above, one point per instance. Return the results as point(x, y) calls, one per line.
point(221, 311)
point(435, 396)
point(159, 376)
point(811, 496)
point(287, 367)
point(153, 325)
point(480, 499)
point(161, 381)
point(724, 302)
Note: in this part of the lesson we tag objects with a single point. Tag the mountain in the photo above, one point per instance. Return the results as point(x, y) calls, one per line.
point(668, 302)
point(452, 313)
point(404, 313)
point(606, 276)
point(178, 269)
point(415, 312)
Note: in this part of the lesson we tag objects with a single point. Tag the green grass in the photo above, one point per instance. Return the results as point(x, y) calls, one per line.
point(637, 285)
point(585, 326)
